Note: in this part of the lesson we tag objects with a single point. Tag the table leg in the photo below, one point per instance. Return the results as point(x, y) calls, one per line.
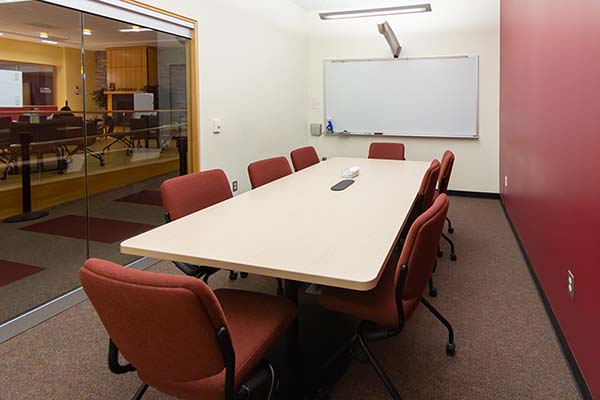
point(27, 214)
point(293, 344)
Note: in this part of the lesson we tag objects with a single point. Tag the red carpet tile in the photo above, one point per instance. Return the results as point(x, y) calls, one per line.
point(101, 229)
point(13, 271)
point(148, 197)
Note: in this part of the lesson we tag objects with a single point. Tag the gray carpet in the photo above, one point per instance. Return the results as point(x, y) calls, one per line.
point(506, 348)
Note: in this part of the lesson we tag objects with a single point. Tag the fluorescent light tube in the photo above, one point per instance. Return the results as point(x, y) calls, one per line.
point(49, 41)
point(135, 28)
point(375, 12)
point(87, 32)
point(43, 35)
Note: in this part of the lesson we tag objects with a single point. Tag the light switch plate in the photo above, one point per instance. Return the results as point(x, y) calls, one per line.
point(217, 126)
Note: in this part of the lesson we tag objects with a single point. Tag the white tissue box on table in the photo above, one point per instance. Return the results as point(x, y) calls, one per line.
point(350, 172)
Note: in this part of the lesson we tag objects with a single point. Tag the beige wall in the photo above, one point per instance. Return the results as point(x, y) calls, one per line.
point(252, 76)
point(68, 68)
point(460, 27)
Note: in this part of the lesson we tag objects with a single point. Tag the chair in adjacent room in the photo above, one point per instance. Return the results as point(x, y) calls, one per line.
point(8, 156)
point(304, 157)
point(266, 171)
point(182, 338)
point(384, 310)
point(118, 137)
point(444, 180)
point(386, 151)
point(186, 194)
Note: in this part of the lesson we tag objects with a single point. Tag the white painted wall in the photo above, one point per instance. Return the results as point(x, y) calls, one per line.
point(455, 27)
point(253, 73)
point(260, 64)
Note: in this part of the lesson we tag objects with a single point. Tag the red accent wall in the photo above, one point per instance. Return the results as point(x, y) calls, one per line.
point(550, 151)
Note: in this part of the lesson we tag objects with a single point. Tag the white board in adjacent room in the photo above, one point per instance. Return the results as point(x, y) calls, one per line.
point(435, 97)
point(11, 88)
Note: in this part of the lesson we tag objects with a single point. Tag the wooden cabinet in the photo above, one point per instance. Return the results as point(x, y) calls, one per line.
point(132, 67)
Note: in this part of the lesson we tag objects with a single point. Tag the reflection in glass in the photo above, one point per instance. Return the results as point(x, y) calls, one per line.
point(101, 121)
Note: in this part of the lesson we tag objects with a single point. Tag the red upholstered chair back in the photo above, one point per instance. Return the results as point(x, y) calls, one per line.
point(164, 325)
point(428, 184)
point(268, 170)
point(420, 249)
point(445, 171)
point(304, 157)
point(386, 151)
point(187, 194)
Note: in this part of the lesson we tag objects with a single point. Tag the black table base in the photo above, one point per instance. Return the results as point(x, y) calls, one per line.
point(30, 216)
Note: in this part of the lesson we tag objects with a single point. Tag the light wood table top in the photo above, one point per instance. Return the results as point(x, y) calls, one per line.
point(297, 228)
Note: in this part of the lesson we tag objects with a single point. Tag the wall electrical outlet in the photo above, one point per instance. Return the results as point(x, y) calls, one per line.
point(505, 181)
point(571, 281)
point(234, 186)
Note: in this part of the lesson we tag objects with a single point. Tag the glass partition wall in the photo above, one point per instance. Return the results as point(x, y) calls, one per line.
point(93, 117)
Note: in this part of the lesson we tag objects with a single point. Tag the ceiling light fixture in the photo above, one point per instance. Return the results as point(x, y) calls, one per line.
point(1, 33)
point(49, 41)
point(376, 12)
point(43, 35)
point(135, 28)
point(87, 32)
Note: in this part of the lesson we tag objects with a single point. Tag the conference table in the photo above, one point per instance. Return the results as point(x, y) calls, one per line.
point(297, 228)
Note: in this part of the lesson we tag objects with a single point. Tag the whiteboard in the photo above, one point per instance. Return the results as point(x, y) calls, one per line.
point(435, 97)
point(11, 88)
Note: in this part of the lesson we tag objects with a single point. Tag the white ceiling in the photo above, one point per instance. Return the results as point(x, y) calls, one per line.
point(323, 5)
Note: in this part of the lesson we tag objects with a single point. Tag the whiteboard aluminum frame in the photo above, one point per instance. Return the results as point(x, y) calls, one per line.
point(372, 134)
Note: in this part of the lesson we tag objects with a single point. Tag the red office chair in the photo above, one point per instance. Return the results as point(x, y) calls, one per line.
point(268, 170)
point(445, 172)
point(184, 339)
point(425, 196)
point(187, 194)
point(385, 309)
point(304, 157)
point(386, 151)
point(424, 200)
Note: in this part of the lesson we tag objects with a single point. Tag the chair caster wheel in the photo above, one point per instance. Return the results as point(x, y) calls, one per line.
point(450, 349)
point(450, 230)
point(244, 274)
point(433, 292)
point(453, 257)
point(440, 254)
point(233, 275)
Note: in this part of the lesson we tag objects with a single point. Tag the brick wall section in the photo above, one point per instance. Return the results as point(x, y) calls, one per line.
point(101, 69)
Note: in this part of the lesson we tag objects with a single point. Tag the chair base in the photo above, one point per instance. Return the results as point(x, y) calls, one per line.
point(432, 289)
point(450, 228)
point(450, 346)
point(140, 392)
point(452, 253)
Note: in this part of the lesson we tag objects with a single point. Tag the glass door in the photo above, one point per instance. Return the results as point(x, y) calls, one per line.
point(139, 136)
point(93, 118)
point(42, 140)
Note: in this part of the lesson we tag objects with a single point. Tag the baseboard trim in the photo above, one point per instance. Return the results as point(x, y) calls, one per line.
point(584, 389)
point(51, 308)
point(479, 195)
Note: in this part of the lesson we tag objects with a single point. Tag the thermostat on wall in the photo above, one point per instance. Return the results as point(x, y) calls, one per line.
point(316, 129)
